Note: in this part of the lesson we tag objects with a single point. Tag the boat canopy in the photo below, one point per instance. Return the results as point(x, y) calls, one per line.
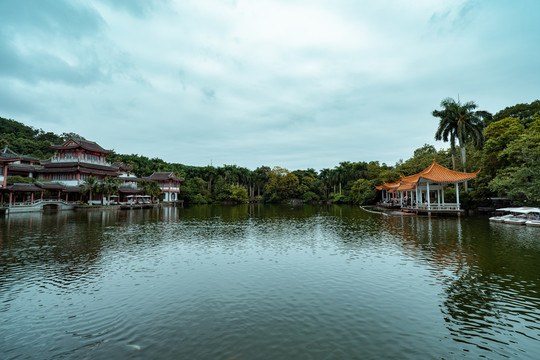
point(521, 210)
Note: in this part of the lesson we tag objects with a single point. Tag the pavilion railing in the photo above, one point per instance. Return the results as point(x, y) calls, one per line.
point(433, 207)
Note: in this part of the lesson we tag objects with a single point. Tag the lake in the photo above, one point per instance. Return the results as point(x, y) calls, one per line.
point(266, 282)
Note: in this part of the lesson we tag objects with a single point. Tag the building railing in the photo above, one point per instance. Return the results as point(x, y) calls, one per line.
point(39, 201)
point(88, 161)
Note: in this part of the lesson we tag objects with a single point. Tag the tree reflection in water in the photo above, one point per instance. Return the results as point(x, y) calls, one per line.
point(489, 275)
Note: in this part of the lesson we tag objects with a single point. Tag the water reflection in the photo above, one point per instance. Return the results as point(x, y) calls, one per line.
point(256, 281)
point(489, 276)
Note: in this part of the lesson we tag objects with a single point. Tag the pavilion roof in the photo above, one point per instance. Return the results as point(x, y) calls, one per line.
point(388, 186)
point(434, 173)
point(440, 174)
point(404, 187)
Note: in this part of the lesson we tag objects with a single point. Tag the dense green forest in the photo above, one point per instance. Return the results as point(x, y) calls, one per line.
point(506, 146)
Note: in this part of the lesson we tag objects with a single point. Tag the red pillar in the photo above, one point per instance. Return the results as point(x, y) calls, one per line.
point(5, 175)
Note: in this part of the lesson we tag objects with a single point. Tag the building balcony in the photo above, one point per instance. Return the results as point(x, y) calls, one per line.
point(56, 159)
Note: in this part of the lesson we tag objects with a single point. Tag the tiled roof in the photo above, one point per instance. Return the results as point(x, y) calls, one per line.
point(72, 189)
point(50, 185)
point(24, 167)
point(122, 166)
point(164, 176)
point(129, 178)
point(74, 165)
point(7, 154)
point(434, 173)
point(438, 173)
point(129, 190)
point(388, 186)
point(23, 187)
point(6, 151)
point(85, 144)
point(404, 187)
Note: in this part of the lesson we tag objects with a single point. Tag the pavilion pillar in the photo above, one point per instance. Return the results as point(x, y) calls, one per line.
point(428, 197)
point(442, 192)
point(31, 197)
point(10, 197)
point(457, 196)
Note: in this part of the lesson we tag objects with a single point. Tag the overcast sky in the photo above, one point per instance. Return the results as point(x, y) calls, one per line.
point(293, 83)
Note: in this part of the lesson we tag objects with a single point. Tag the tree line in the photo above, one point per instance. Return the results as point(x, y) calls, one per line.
point(506, 146)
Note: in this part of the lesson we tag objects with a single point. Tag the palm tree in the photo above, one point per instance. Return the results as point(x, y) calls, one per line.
point(110, 186)
point(154, 189)
point(460, 121)
point(91, 185)
point(324, 176)
point(151, 188)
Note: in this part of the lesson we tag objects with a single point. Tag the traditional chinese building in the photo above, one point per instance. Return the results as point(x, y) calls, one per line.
point(424, 192)
point(75, 161)
point(61, 177)
point(169, 184)
point(12, 164)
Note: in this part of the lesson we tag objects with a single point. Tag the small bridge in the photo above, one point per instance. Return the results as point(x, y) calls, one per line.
point(38, 205)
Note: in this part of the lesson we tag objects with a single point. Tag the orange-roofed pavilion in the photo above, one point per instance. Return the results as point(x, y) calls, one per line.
point(424, 192)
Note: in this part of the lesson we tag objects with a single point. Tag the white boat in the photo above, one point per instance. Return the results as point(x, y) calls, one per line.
point(519, 216)
point(533, 218)
point(500, 219)
point(533, 223)
point(516, 220)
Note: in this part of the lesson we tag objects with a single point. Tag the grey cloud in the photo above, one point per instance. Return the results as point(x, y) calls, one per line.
point(139, 8)
point(209, 94)
point(62, 17)
point(29, 35)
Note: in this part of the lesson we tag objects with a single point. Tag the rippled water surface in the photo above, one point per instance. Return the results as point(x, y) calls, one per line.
point(266, 282)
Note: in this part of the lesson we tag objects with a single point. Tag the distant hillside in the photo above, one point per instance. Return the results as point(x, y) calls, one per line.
point(26, 140)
